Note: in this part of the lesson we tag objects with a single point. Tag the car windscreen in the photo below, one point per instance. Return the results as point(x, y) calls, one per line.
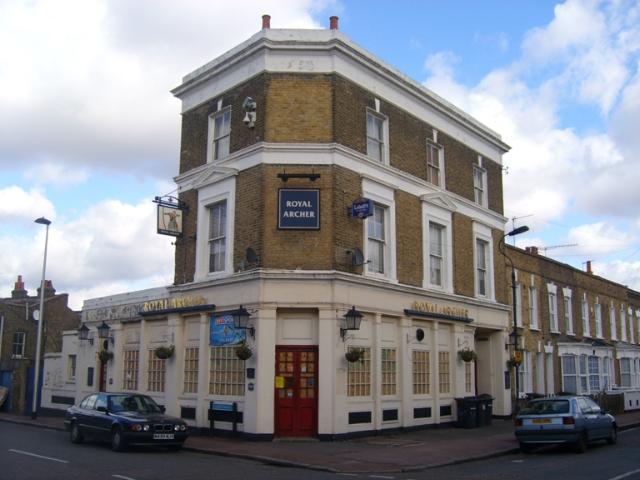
point(133, 403)
point(546, 407)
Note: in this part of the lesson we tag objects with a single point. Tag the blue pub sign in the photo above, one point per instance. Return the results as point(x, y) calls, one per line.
point(299, 209)
point(223, 332)
point(362, 208)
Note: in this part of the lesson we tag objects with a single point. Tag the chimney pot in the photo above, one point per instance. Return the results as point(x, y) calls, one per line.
point(18, 289)
point(589, 267)
point(266, 21)
point(333, 23)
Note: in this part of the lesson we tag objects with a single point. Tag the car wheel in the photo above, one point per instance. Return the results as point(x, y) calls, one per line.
point(612, 439)
point(117, 442)
point(75, 433)
point(526, 448)
point(582, 444)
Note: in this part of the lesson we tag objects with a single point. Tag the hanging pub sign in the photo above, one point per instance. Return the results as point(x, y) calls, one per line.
point(222, 331)
point(298, 209)
point(169, 216)
point(361, 208)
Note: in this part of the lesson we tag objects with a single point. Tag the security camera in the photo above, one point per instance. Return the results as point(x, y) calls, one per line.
point(249, 105)
point(249, 119)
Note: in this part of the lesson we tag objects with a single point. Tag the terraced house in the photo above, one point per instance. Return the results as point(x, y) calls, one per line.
point(580, 333)
point(318, 186)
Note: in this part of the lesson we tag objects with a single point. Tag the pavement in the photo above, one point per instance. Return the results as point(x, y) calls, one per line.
point(404, 451)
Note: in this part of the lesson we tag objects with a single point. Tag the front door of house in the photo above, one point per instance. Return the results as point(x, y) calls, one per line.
point(296, 391)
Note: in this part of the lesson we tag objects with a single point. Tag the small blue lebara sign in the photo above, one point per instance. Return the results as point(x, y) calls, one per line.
point(299, 209)
point(362, 208)
point(222, 331)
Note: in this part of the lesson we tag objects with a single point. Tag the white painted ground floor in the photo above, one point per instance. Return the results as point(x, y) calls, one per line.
point(297, 381)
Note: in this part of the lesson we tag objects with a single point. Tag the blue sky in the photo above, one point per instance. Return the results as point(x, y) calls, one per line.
point(91, 133)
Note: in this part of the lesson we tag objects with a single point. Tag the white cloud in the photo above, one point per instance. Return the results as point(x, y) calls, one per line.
point(55, 174)
point(18, 204)
point(600, 239)
point(90, 79)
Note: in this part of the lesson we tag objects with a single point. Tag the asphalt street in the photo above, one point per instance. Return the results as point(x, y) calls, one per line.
point(28, 453)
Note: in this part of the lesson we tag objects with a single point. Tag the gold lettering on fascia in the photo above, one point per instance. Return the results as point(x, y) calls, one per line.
point(169, 303)
point(441, 309)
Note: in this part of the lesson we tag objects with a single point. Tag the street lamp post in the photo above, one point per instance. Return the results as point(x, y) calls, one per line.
point(514, 333)
point(36, 376)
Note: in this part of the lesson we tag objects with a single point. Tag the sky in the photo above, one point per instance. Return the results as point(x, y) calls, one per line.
point(89, 132)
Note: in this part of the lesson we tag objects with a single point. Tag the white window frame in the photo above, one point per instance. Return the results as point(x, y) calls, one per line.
point(569, 360)
point(632, 331)
point(434, 148)
point(612, 322)
point(623, 324)
point(72, 367)
point(480, 191)
point(437, 209)
point(383, 196)
point(222, 190)
point(533, 308)
point(552, 291)
point(213, 137)
point(568, 310)
point(21, 344)
point(383, 142)
point(483, 233)
point(626, 373)
point(220, 205)
point(598, 314)
point(525, 373)
point(436, 245)
point(586, 326)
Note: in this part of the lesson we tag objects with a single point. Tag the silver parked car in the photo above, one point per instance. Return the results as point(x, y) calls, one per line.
point(574, 420)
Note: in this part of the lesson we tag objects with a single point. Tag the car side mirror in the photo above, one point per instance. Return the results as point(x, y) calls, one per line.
point(102, 409)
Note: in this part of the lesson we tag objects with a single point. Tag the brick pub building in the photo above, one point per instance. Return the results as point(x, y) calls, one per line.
point(284, 138)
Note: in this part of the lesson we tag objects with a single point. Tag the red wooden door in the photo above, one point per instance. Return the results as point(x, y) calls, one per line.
point(296, 391)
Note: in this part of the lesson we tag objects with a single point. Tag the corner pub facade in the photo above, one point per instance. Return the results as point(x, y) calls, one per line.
point(316, 180)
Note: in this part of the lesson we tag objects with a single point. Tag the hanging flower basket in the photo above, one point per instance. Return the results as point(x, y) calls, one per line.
point(105, 355)
point(353, 355)
point(467, 355)
point(164, 352)
point(243, 351)
point(514, 362)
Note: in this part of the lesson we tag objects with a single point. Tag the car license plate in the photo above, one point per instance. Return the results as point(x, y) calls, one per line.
point(539, 421)
point(163, 436)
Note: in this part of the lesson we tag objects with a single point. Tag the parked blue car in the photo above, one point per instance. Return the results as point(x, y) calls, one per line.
point(574, 420)
point(124, 419)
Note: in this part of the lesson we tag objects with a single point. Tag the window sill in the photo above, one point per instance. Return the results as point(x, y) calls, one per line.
point(535, 329)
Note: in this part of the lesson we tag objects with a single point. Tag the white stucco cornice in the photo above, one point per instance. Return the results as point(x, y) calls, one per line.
point(327, 51)
point(202, 176)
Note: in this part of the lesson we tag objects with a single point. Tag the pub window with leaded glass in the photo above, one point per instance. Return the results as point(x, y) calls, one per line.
point(388, 356)
point(359, 375)
point(227, 372)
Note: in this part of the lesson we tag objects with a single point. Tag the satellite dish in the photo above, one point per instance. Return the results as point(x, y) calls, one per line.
point(357, 258)
point(36, 315)
point(251, 256)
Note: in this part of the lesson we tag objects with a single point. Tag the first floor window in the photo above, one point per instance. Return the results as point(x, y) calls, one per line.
point(18, 344)
point(421, 372)
point(359, 375)
point(586, 331)
point(479, 185)
point(481, 267)
point(156, 372)
point(444, 375)
point(436, 254)
point(568, 315)
point(388, 356)
point(376, 233)
point(583, 372)
point(553, 314)
point(227, 372)
point(433, 163)
point(130, 373)
point(598, 309)
point(217, 236)
point(533, 307)
point(191, 361)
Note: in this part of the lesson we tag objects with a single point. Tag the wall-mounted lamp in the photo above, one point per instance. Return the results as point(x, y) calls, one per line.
point(350, 321)
point(83, 334)
point(103, 331)
point(241, 320)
